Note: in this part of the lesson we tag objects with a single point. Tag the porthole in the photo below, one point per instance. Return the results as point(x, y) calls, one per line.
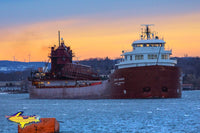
point(164, 89)
point(124, 91)
point(146, 89)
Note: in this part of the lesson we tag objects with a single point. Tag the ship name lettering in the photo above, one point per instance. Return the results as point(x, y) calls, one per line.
point(119, 83)
point(119, 79)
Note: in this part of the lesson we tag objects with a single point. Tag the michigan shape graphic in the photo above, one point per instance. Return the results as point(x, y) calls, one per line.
point(23, 121)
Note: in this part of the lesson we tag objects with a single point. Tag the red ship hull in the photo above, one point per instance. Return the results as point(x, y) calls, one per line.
point(146, 82)
point(127, 83)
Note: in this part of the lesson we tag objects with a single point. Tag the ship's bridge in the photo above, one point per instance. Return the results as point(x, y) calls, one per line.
point(147, 53)
point(151, 41)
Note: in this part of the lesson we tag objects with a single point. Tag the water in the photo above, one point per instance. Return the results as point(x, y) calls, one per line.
point(136, 115)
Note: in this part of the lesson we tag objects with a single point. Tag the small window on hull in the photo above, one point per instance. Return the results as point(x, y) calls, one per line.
point(164, 89)
point(146, 89)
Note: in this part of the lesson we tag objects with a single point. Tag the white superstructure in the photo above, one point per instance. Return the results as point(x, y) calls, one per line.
point(148, 51)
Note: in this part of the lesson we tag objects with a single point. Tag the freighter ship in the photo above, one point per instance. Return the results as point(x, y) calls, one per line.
point(145, 72)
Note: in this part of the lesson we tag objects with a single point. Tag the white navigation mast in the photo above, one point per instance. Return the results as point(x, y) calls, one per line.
point(147, 31)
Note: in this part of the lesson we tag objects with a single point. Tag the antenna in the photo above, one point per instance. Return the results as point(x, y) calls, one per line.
point(77, 58)
point(142, 34)
point(147, 30)
point(29, 56)
point(58, 38)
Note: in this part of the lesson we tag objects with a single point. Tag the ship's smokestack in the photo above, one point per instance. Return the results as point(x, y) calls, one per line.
point(58, 38)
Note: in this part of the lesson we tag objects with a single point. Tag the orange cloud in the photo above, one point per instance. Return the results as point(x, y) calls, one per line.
point(98, 37)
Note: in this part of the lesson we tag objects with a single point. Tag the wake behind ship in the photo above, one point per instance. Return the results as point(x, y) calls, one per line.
point(145, 72)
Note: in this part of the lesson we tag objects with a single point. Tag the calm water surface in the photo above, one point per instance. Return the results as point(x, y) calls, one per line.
point(136, 115)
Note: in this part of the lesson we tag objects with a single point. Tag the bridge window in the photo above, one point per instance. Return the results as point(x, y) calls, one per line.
point(165, 56)
point(125, 57)
point(139, 57)
point(152, 56)
point(155, 45)
point(140, 45)
point(131, 57)
point(137, 45)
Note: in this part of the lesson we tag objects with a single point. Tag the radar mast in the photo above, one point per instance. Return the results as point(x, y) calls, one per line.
point(147, 31)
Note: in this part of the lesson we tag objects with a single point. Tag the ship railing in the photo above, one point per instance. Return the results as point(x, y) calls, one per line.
point(82, 65)
point(125, 51)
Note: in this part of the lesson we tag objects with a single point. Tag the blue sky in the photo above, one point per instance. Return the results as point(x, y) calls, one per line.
point(14, 12)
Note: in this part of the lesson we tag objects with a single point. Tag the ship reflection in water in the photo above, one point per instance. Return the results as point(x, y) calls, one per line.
point(135, 115)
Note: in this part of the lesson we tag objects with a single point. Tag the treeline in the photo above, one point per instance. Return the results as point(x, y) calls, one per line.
point(102, 66)
point(15, 76)
point(190, 67)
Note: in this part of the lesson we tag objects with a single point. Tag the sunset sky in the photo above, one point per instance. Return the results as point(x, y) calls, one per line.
point(95, 28)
